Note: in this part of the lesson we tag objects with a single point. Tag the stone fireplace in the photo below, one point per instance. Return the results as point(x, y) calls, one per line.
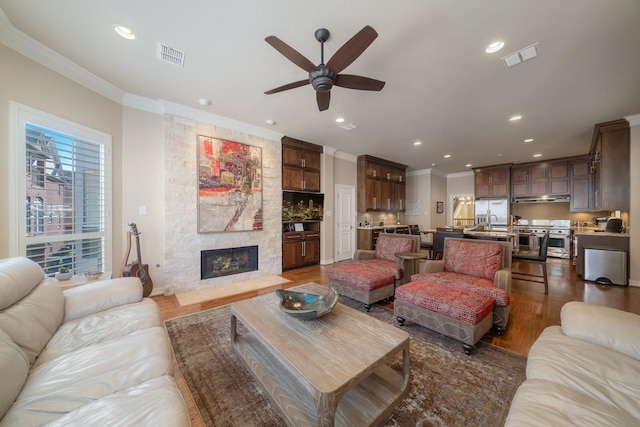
point(225, 262)
point(183, 244)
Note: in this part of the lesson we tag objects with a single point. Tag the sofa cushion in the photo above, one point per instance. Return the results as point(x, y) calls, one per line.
point(387, 247)
point(97, 296)
point(83, 376)
point(544, 403)
point(152, 403)
point(359, 276)
point(599, 325)
point(459, 304)
point(18, 277)
point(473, 259)
point(596, 372)
point(101, 327)
point(14, 366)
point(383, 265)
point(32, 322)
point(479, 285)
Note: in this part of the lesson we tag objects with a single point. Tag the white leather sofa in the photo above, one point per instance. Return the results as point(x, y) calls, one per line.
point(94, 355)
point(584, 373)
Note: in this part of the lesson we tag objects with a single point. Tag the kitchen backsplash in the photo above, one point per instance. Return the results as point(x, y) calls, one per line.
point(559, 211)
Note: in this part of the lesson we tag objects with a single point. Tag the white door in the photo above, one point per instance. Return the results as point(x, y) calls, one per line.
point(345, 222)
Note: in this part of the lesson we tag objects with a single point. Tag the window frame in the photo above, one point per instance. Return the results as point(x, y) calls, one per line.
point(19, 116)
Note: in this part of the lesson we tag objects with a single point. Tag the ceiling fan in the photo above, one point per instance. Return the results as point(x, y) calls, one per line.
point(324, 77)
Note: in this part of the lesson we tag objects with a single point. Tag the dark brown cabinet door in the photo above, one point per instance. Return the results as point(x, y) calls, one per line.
point(292, 178)
point(493, 182)
point(311, 181)
point(581, 185)
point(291, 252)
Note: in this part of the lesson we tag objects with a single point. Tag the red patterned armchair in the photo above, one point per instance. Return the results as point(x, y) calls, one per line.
point(480, 266)
point(383, 257)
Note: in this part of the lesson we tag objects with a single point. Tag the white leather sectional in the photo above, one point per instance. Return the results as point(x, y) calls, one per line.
point(583, 373)
point(94, 355)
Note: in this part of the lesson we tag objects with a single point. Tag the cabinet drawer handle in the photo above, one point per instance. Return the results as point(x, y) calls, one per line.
point(293, 237)
point(313, 235)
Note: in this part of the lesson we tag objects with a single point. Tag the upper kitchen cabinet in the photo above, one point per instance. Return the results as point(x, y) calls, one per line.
point(610, 150)
point(581, 184)
point(381, 185)
point(540, 179)
point(492, 181)
point(530, 180)
point(300, 165)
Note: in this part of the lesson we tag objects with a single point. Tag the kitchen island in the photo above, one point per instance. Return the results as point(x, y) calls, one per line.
point(595, 239)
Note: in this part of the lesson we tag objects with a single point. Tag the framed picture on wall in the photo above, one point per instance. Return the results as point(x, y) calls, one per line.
point(229, 186)
point(439, 207)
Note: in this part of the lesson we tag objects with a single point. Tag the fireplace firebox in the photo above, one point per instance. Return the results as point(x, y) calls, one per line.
point(225, 262)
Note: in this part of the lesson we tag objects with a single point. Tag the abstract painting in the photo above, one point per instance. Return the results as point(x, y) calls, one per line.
point(229, 186)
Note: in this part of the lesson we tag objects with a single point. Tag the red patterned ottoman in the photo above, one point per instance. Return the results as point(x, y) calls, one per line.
point(364, 284)
point(457, 313)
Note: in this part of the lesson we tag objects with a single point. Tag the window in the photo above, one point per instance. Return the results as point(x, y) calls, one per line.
point(68, 171)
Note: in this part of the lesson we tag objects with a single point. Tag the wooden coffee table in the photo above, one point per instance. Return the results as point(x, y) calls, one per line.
point(323, 372)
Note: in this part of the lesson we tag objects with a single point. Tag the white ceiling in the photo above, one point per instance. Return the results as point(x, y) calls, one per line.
point(441, 87)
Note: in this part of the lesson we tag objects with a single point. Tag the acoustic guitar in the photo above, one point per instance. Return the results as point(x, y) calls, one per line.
point(137, 268)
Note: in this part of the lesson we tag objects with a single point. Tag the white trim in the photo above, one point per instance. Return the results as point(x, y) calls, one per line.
point(460, 174)
point(633, 120)
point(329, 150)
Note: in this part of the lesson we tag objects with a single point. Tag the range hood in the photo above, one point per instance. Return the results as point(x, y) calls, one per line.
point(542, 199)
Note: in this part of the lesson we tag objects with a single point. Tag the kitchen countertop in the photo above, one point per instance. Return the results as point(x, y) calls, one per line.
point(594, 233)
point(381, 227)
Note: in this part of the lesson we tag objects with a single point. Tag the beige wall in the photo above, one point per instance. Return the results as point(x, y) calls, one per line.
point(27, 82)
point(143, 187)
point(634, 221)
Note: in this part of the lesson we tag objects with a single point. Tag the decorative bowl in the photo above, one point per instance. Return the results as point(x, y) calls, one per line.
point(64, 276)
point(92, 275)
point(307, 306)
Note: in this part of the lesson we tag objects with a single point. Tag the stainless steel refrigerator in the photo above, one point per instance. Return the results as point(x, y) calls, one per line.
point(497, 208)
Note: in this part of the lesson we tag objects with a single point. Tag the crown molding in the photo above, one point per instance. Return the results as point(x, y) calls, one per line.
point(346, 156)
point(460, 174)
point(633, 120)
point(36, 51)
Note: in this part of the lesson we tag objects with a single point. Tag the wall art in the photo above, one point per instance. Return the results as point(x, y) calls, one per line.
point(229, 186)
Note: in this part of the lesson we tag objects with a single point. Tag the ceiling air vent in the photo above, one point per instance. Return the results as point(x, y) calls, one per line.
point(520, 56)
point(170, 55)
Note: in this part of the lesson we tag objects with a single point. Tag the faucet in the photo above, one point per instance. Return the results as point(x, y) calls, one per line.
point(489, 220)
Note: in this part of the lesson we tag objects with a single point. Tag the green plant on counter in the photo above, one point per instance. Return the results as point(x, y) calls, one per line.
point(63, 269)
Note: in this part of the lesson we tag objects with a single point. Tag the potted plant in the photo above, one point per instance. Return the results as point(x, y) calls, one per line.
point(64, 273)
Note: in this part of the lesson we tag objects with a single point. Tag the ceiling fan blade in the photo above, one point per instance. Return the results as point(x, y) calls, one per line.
point(352, 49)
point(288, 86)
point(291, 54)
point(323, 99)
point(358, 82)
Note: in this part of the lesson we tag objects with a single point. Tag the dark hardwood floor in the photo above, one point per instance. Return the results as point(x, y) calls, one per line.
point(531, 310)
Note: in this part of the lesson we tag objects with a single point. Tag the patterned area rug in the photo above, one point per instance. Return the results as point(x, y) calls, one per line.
point(448, 388)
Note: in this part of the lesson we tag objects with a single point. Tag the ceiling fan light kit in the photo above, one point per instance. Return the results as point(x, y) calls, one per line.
point(323, 77)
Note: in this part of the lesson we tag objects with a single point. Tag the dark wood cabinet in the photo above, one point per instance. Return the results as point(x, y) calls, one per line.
point(494, 181)
point(540, 179)
point(581, 185)
point(300, 165)
point(367, 238)
point(381, 185)
point(300, 248)
point(610, 149)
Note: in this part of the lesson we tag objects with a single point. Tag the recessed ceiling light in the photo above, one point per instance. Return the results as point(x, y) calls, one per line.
point(204, 101)
point(339, 120)
point(494, 47)
point(270, 122)
point(537, 155)
point(499, 154)
point(528, 140)
point(434, 164)
point(446, 156)
point(417, 143)
point(515, 118)
point(468, 165)
point(124, 32)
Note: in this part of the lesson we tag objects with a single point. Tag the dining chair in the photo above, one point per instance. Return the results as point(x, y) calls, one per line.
point(539, 258)
point(428, 246)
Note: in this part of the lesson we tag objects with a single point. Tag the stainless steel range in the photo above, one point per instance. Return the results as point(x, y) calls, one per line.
point(530, 234)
